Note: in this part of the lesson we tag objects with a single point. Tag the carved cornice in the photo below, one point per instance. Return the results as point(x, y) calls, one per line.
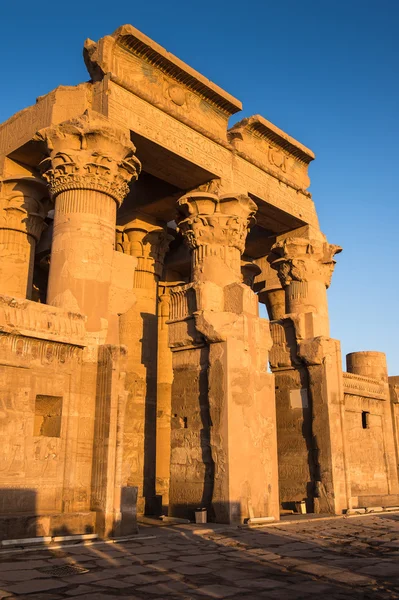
point(266, 130)
point(358, 385)
point(300, 259)
point(87, 153)
point(98, 59)
point(208, 220)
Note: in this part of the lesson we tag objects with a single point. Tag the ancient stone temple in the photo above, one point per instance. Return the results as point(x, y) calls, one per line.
point(138, 235)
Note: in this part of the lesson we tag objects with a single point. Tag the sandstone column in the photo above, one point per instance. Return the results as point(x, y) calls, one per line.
point(139, 332)
point(242, 430)
point(368, 364)
point(23, 207)
point(164, 396)
point(273, 294)
point(305, 268)
point(88, 168)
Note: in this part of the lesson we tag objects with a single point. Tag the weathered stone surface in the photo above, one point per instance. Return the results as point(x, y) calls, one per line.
point(339, 569)
point(137, 237)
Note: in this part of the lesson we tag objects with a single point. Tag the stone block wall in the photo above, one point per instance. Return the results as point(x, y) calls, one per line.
point(47, 424)
point(370, 438)
point(191, 459)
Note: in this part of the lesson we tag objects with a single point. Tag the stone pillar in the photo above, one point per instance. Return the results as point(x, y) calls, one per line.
point(164, 395)
point(88, 168)
point(249, 270)
point(368, 364)
point(23, 208)
point(305, 268)
point(273, 294)
point(107, 487)
point(238, 411)
point(323, 359)
point(139, 332)
point(308, 371)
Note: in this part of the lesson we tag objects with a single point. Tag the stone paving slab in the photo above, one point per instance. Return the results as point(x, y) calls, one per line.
point(355, 559)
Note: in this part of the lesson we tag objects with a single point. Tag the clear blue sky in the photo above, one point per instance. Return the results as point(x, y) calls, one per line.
point(324, 71)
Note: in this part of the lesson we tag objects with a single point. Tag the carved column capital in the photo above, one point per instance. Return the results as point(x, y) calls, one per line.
point(206, 219)
point(215, 227)
point(87, 153)
point(23, 206)
point(148, 243)
point(300, 259)
point(249, 270)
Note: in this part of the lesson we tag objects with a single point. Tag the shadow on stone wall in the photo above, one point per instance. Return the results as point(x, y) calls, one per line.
point(20, 518)
point(149, 359)
point(18, 514)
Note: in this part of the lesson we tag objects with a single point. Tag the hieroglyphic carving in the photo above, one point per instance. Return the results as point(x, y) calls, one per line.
point(41, 321)
point(20, 127)
point(263, 142)
point(283, 353)
point(157, 126)
point(45, 352)
point(257, 182)
point(160, 87)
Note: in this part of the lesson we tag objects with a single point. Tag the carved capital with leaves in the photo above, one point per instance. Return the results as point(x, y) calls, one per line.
point(300, 259)
point(88, 153)
point(206, 219)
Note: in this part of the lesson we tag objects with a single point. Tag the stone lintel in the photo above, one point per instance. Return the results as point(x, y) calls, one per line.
point(61, 104)
point(271, 147)
point(100, 59)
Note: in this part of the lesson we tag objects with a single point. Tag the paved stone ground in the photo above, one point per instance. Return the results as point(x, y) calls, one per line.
point(349, 558)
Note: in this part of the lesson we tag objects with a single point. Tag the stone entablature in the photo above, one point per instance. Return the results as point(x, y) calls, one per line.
point(273, 149)
point(151, 110)
point(138, 64)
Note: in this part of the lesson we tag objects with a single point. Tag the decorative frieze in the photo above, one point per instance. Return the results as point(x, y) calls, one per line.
point(14, 348)
point(41, 321)
point(357, 385)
